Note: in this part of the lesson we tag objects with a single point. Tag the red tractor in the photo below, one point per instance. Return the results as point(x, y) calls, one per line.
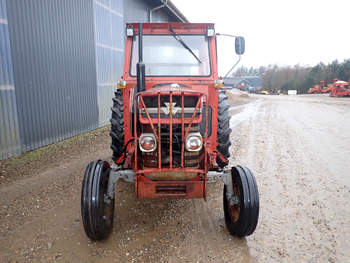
point(317, 89)
point(170, 129)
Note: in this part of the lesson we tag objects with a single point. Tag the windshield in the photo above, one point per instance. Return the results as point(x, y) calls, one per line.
point(163, 55)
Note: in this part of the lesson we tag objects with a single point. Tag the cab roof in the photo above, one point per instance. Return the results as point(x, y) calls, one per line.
point(179, 28)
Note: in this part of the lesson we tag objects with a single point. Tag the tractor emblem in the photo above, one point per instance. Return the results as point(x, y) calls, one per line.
point(166, 109)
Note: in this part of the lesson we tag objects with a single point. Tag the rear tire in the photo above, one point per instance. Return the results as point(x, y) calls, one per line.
point(241, 219)
point(97, 214)
point(117, 125)
point(224, 131)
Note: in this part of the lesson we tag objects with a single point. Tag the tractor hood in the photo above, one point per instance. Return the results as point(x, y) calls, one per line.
point(170, 88)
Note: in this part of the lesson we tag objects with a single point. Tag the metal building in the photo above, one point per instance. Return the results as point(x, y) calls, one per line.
point(59, 63)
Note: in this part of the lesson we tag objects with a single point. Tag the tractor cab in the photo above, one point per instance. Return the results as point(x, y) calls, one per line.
point(171, 74)
point(172, 54)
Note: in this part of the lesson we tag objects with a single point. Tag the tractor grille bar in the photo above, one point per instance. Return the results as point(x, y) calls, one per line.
point(153, 117)
point(159, 136)
point(171, 130)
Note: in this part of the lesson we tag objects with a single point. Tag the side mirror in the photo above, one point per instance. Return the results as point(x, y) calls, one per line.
point(239, 45)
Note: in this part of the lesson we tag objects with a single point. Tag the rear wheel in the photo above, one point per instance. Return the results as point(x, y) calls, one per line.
point(224, 131)
point(241, 216)
point(117, 125)
point(96, 209)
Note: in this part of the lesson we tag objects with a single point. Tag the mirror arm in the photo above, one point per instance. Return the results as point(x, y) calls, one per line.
point(239, 59)
point(225, 35)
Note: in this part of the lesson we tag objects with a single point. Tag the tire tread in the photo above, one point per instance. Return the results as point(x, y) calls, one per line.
point(117, 125)
point(249, 212)
point(224, 130)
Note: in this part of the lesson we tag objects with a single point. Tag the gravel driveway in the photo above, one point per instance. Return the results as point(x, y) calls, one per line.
point(298, 148)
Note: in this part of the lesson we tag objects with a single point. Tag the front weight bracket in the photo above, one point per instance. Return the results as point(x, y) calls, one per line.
point(224, 176)
point(115, 175)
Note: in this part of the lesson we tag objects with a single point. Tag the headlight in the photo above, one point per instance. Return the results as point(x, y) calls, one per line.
point(147, 142)
point(194, 142)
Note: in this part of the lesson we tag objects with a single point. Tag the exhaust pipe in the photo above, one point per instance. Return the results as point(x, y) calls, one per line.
point(140, 67)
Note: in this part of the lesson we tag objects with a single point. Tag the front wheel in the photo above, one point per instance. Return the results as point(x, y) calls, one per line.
point(96, 209)
point(242, 211)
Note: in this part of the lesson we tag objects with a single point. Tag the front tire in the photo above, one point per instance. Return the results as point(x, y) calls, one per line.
point(242, 218)
point(97, 213)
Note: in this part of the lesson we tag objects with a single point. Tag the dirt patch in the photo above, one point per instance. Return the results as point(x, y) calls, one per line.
point(34, 162)
point(236, 98)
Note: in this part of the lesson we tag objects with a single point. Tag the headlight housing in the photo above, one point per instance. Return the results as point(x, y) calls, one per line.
point(218, 83)
point(121, 84)
point(194, 142)
point(147, 142)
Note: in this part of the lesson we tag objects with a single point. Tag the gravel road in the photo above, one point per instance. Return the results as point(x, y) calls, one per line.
point(298, 148)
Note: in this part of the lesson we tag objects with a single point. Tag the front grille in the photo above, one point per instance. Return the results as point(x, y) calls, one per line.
point(160, 113)
point(153, 113)
point(152, 102)
point(150, 159)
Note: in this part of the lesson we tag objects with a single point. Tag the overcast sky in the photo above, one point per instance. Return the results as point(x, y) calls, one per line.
point(284, 32)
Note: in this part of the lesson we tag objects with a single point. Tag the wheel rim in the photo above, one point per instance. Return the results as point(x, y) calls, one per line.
point(234, 210)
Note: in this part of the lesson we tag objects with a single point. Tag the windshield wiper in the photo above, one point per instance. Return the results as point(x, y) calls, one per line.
point(178, 38)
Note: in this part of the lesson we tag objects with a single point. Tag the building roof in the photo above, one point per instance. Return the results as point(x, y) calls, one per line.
point(171, 9)
point(253, 81)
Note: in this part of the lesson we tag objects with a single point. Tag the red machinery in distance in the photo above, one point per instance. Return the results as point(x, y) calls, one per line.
point(242, 87)
point(317, 89)
point(340, 88)
point(326, 89)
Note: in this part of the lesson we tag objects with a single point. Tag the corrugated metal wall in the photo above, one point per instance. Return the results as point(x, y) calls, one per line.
point(60, 61)
point(109, 52)
point(53, 56)
point(9, 135)
point(137, 11)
